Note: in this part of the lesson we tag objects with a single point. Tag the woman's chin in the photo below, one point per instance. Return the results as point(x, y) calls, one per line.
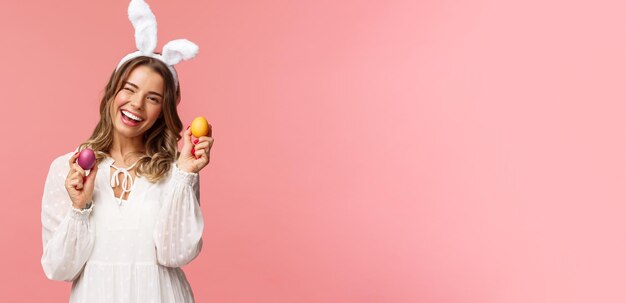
point(126, 132)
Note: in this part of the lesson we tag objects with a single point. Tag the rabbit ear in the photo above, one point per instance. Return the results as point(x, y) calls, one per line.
point(144, 22)
point(178, 50)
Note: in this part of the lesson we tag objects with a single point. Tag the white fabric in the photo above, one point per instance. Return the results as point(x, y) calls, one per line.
point(127, 182)
point(145, 25)
point(122, 253)
point(179, 50)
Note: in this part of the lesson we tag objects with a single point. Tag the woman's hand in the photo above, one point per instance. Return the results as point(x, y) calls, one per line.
point(79, 187)
point(194, 155)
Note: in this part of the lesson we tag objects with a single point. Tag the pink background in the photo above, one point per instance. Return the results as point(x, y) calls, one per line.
point(365, 151)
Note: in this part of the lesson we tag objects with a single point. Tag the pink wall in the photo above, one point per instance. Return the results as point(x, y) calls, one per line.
point(366, 151)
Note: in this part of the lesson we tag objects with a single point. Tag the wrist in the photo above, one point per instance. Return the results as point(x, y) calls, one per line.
point(83, 212)
point(185, 168)
point(82, 206)
point(181, 175)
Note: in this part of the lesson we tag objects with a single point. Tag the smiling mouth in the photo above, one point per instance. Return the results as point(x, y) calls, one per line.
point(131, 117)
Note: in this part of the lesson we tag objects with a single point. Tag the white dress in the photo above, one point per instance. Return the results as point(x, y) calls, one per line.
point(128, 252)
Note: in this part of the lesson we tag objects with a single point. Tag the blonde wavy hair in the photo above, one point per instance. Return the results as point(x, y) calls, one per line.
point(160, 141)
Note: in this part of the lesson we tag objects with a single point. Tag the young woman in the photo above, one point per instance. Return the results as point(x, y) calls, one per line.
point(122, 231)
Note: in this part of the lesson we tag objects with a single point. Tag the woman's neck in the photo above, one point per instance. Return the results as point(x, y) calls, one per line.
point(123, 146)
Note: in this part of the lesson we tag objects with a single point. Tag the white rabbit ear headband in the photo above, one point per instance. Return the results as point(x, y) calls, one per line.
point(144, 22)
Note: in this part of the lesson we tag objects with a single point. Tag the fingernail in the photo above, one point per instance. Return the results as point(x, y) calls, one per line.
point(193, 151)
point(76, 153)
point(188, 127)
point(195, 141)
point(84, 178)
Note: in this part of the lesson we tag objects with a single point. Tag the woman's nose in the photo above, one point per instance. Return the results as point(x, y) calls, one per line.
point(136, 101)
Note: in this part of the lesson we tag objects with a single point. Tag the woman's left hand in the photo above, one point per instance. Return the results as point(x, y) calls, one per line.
point(194, 155)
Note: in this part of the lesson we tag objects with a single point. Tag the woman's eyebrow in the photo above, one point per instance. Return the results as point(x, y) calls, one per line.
point(137, 87)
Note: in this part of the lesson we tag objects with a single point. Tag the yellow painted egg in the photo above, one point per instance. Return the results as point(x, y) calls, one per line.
point(200, 127)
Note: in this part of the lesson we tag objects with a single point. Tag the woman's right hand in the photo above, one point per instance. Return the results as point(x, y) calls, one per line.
point(79, 187)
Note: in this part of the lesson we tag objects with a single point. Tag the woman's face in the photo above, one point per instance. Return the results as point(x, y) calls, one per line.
point(138, 104)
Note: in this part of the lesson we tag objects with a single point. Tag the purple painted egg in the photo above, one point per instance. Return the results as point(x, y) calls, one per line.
point(86, 159)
